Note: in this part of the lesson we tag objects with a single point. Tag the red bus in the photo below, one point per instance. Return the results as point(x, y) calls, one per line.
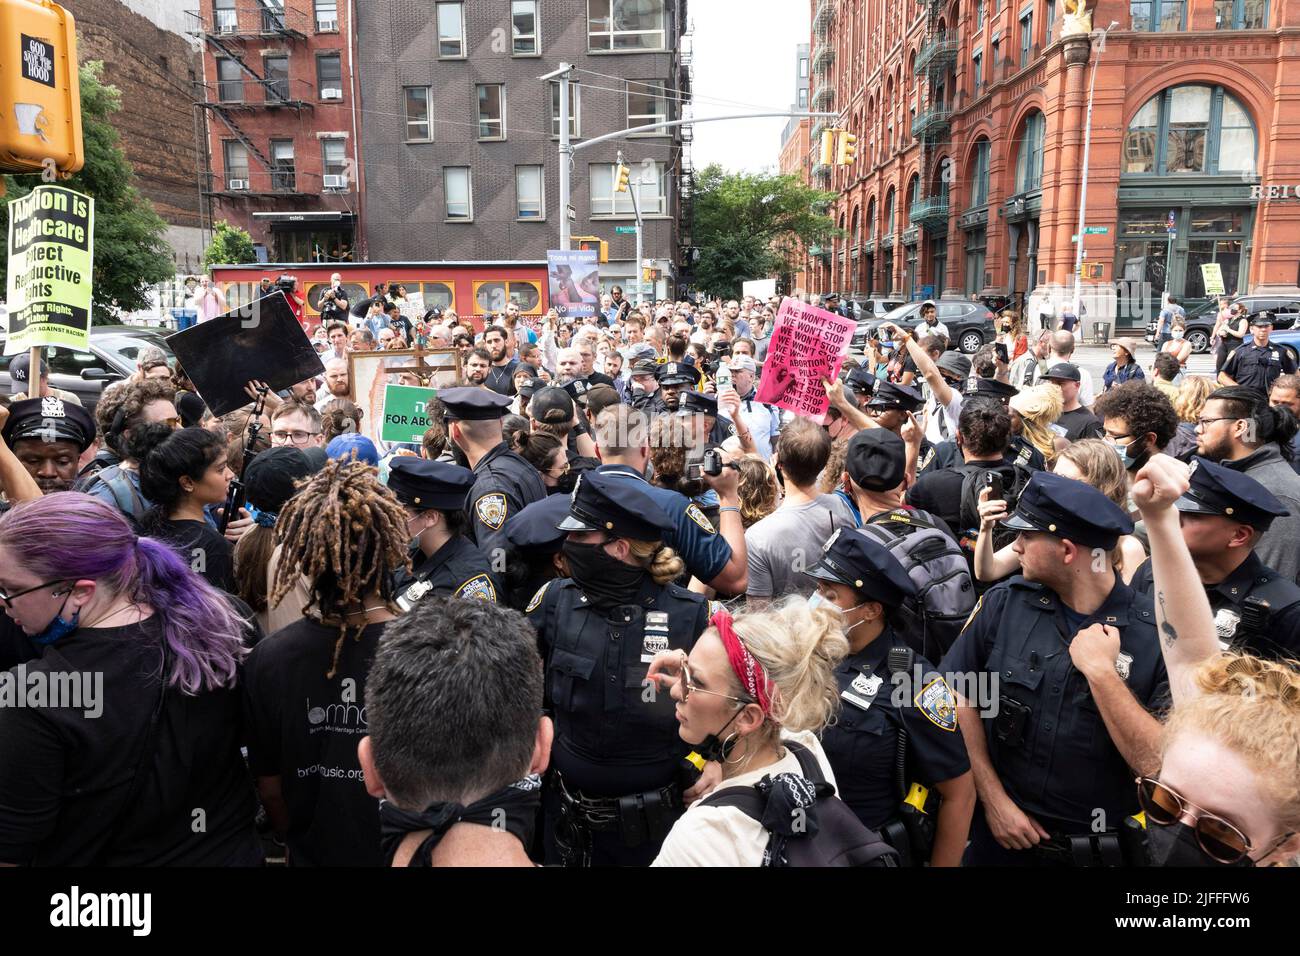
point(474, 290)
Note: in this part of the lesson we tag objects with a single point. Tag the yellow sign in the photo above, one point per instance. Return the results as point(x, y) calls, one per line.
point(51, 249)
point(1212, 275)
point(40, 124)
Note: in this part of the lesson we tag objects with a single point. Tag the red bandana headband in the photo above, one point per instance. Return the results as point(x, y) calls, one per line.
point(748, 670)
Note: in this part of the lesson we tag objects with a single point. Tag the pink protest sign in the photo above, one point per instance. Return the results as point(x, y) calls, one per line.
point(808, 344)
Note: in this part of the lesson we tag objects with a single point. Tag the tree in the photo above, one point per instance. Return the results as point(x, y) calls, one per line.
point(230, 246)
point(753, 225)
point(131, 251)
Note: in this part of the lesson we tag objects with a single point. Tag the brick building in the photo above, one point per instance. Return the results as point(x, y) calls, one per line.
point(281, 113)
point(971, 117)
point(460, 135)
point(795, 144)
point(149, 57)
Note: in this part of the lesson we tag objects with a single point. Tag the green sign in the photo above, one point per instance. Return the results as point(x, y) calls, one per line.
point(1095, 230)
point(51, 248)
point(625, 230)
point(1212, 274)
point(405, 419)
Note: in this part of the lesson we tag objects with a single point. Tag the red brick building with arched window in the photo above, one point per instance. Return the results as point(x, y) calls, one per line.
point(971, 119)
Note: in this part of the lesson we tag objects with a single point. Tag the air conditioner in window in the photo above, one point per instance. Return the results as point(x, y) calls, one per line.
point(331, 94)
point(327, 26)
point(237, 184)
point(335, 182)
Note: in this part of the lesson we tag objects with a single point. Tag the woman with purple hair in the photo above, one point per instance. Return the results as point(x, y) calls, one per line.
point(124, 749)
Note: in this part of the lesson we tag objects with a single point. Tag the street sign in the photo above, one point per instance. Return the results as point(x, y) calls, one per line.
point(573, 214)
point(1095, 230)
point(625, 230)
point(1171, 224)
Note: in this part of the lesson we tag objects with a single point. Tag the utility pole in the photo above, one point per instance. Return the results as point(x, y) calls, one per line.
point(1098, 46)
point(566, 150)
point(634, 187)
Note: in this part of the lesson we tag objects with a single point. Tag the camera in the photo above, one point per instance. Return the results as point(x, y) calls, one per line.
point(286, 283)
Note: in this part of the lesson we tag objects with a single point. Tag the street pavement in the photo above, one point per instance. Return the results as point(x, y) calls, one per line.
point(1095, 358)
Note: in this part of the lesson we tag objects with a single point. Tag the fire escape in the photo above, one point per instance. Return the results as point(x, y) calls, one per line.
point(231, 32)
point(822, 100)
point(934, 64)
point(686, 251)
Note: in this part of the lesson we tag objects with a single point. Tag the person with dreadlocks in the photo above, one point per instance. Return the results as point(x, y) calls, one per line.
point(618, 779)
point(304, 688)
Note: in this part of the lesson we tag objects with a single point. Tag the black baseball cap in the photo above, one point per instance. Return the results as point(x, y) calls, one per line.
point(876, 459)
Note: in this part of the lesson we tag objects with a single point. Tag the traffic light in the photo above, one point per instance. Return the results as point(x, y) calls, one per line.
point(621, 184)
point(828, 147)
point(846, 151)
point(40, 96)
point(593, 244)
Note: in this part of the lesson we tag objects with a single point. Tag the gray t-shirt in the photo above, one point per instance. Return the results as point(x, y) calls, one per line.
point(787, 542)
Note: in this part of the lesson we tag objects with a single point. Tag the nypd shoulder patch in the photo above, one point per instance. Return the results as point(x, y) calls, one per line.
point(537, 598)
point(937, 703)
point(491, 510)
point(478, 588)
point(700, 518)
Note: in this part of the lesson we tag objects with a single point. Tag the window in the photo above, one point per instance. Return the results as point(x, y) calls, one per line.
point(1049, 21)
point(327, 16)
point(1190, 129)
point(225, 17)
point(889, 214)
point(575, 110)
point(1162, 15)
point(491, 111)
point(871, 221)
point(646, 104)
point(276, 71)
point(236, 157)
point(1029, 162)
point(979, 14)
point(616, 25)
point(528, 193)
point(652, 193)
point(803, 68)
point(272, 16)
point(458, 192)
point(329, 76)
point(913, 196)
point(977, 72)
point(283, 175)
point(1026, 38)
point(979, 193)
point(523, 27)
point(1240, 14)
point(419, 115)
point(803, 98)
point(334, 157)
point(230, 81)
point(451, 29)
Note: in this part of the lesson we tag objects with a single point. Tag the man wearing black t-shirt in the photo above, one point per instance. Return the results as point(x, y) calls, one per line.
point(1077, 420)
point(501, 376)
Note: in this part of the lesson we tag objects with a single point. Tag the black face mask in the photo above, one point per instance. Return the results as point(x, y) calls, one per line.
point(605, 581)
point(1176, 845)
point(713, 747)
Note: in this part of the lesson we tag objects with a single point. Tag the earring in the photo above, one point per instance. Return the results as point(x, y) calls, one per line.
point(728, 745)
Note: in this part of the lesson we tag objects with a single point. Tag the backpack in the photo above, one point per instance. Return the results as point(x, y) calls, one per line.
point(808, 824)
point(945, 591)
point(973, 483)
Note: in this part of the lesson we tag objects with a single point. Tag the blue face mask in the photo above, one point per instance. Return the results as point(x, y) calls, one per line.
point(1125, 452)
point(57, 629)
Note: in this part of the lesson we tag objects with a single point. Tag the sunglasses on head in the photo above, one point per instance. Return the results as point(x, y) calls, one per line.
point(1218, 839)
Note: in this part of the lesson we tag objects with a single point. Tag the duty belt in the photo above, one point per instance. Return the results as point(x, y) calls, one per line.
point(610, 813)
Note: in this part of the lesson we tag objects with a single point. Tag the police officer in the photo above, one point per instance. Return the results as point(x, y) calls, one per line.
point(643, 387)
point(445, 562)
point(48, 436)
point(674, 378)
point(618, 773)
point(716, 428)
point(890, 406)
point(896, 740)
point(1078, 669)
point(1224, 512)
point(533, 555)
point(504, 484)
point(1256, 364)
point(861, 383)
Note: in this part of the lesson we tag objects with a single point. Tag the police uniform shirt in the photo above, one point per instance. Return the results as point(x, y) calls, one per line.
point(1258, 367)
point(652, 404)
point(764, 423)
point(1277, 635)
point(721, 431)
point(1056, 760)
point(694, 537)
point(614, 733)
point(504, 485)
point(862, 744)
point(457, 569)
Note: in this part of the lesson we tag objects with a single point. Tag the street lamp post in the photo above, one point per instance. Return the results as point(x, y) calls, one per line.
point(1087, 149)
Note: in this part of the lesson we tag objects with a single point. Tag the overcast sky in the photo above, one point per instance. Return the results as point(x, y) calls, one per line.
point(744, 54)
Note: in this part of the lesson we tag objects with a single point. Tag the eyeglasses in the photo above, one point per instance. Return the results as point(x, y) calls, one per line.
point(687, 687)
point(295, 437)
point(1217, 838)
point(1203, 422)
point(6, 598)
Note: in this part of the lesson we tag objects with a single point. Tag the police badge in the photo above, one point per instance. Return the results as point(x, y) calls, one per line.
point(937, 703)
point(491, 510)
point(699, 517)
point(52, 407)
point(477, 588)
point(1123, 665)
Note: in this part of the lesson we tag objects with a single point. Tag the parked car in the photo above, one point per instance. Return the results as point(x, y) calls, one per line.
point(864, 310)
point(970, 323)
point(1200, 320)
point(112, 355)
point(1289, 340)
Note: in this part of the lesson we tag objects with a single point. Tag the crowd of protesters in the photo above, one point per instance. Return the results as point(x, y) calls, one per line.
point(616, 610)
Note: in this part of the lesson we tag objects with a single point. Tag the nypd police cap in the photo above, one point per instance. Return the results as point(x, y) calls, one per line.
point(615, 506)
point(1071, 510)
point(893, 395)
point(469, 403)
point(676, 373)
point(850, 557)
point(49, 419)
point(1216, 490)
point(537, 527)
point(429, 485)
